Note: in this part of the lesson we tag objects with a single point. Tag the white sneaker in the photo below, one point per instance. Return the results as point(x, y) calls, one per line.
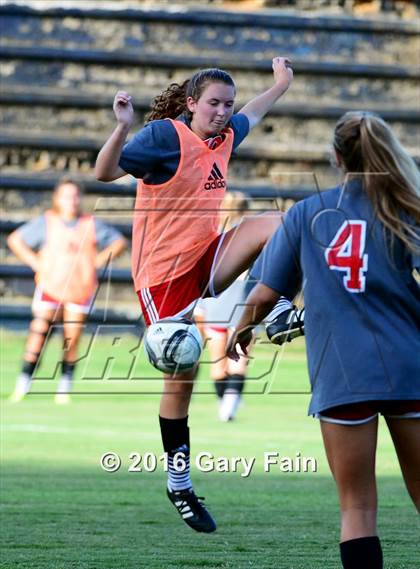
point(23, 386)
point(229, 405)
point(62, 399)
point(62, 396)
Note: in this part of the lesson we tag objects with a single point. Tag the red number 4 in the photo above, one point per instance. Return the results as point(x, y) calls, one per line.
point(345, 253)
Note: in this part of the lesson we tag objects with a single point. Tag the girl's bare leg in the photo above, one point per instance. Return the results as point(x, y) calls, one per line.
point(38, 330)
point(406, 436)
point(351, 455)
point(37, 334)
point(176, 395)
point(242, 245)
point(73, 324)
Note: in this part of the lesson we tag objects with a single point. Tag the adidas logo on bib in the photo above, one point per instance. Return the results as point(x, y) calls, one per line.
point(215, 180)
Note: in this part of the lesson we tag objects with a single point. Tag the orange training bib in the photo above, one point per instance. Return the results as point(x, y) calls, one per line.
point(67, 271)
point(176, 221)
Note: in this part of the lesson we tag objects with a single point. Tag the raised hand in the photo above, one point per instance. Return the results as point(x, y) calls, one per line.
point(282, 70)
point(123, 108)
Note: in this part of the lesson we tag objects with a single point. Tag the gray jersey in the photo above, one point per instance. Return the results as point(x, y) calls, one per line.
point(362, 303)
point(34, 233)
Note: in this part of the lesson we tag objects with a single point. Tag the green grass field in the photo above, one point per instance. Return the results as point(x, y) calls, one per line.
point(60, 510)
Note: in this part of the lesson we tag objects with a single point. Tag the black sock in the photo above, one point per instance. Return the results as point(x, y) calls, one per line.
point(175, 433)
point(29, 367)
point(362, 553)
point(235, 382)
point(176, 439)
point(67, 368)
point(220, 386)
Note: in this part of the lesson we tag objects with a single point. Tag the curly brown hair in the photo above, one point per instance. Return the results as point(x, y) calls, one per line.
point(173, 100)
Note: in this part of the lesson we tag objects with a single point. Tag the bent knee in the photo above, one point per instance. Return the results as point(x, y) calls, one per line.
point(263, 225)
point(181, 384)
point(40, 325)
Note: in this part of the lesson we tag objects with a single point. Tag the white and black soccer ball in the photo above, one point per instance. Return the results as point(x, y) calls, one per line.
point(173, 345)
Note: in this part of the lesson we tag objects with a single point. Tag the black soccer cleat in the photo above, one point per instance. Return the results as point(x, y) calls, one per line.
point(191, 510)
point(288, 325)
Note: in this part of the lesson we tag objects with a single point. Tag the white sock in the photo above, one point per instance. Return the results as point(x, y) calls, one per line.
point(179, 479)
point(229, 405)
point(65, 384)
point(282, 305)
point(23, 383)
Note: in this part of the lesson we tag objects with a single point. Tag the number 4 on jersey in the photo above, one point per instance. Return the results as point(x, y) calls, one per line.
point(346, 253)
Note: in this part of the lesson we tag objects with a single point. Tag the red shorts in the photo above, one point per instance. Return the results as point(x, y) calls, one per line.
point(43, 301)
point(218, 329)
point(359, 413)
point(178, 296)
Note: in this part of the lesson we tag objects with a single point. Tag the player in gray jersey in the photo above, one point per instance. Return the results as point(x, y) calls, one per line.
point(355, 249)
point(63, 247)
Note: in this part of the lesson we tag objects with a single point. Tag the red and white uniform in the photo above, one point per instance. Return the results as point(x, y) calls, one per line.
point(175, 228)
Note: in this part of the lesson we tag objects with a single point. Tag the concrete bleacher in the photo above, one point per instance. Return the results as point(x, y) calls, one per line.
point(61, 66)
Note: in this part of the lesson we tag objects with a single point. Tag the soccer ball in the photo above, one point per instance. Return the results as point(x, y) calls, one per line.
point(173, 345)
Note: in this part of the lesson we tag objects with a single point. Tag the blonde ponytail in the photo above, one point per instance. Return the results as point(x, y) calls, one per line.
point(367, 146)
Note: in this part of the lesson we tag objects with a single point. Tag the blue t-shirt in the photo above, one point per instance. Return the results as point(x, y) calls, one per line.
point(34, 233)
point(153, 153)
point(362, 302)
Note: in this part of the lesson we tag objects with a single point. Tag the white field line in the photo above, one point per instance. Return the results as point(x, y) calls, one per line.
point(46, 429)
point(198, 440)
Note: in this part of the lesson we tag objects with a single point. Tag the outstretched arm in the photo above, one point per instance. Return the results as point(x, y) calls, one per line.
point(106, 167)
point(258, 107)
point(259, 304)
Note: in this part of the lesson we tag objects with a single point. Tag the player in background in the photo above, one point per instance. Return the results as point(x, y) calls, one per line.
point(64, 248)
point(355, 249)
point(217, 316)
point(180, 159)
